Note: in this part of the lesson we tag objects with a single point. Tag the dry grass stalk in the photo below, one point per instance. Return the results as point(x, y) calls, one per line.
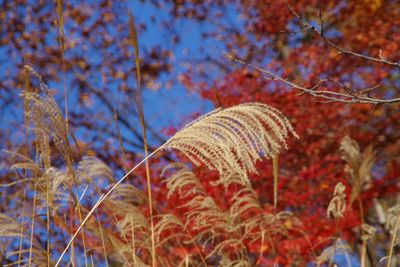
point(103, 244)
point(139, 103)
point(121, 145)
point(392, 224)
point(33, 221)
point(368, 232)
point(275, 172)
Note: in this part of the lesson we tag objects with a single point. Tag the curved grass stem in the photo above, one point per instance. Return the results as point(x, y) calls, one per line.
point(102, 198)
point(393, 241)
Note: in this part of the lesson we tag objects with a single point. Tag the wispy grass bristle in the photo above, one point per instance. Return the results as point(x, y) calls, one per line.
point(231, 140)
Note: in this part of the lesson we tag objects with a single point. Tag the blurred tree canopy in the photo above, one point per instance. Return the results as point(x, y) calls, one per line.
point(331, 66)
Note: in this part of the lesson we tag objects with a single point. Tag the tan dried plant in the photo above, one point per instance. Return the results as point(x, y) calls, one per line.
point(337, 205)
point(232, 140)
point(166, 222)
point(215, 228)
point(89, 171)
point(40, 258)
point(205, 216)
point(393, 225)
point(113, 246)
point(218, 229)
point(9, 227)
point(367, 232)
point(359, 165)
point(125, 207)
point(229, 141)
point(243, 200)
point(125, 198)
point(54, 186)
point(48, 120)
point(39, 255)
point(392, 214)
point(182, 180)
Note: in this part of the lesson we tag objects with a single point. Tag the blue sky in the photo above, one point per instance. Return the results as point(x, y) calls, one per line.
point(169, 106)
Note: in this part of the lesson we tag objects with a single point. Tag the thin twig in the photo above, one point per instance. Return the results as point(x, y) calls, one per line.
point(321, 33)
point(327, 95)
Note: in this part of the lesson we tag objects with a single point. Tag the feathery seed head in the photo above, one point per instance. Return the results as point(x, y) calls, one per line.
point(232, 140)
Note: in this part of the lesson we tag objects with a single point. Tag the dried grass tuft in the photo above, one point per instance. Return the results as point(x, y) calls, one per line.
point(359, 164)
point(337, 205)
point(231, 140)
point(9, 227)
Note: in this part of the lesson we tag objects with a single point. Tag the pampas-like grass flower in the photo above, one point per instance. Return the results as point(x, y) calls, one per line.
point(181, 177)
point(359, 165)
point(232, 140)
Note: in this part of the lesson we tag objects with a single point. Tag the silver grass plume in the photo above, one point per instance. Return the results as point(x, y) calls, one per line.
point(166, 222)
point(181, 178)
point(392, 215)
point(90, 171)
point(231, 140)
point(359, 165)
point(9, 227)
point(47, 117)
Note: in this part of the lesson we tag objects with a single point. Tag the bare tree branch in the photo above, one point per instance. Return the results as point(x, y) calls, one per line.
point(356, 97)
point(321, 33)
